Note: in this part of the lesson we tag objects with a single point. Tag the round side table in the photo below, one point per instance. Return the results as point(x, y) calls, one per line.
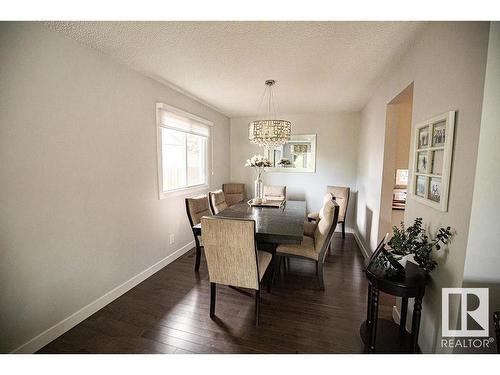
point(411, 285)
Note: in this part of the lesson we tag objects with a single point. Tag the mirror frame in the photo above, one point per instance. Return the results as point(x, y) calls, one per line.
point(296, 137)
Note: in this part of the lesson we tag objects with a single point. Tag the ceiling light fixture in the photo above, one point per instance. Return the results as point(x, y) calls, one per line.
point(270, 132)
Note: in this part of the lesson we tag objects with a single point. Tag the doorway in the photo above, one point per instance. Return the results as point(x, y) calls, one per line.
point(396, 161)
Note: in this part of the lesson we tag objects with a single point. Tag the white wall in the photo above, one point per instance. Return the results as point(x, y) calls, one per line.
point(336, 160)
point(447, 65)
point(482, 263)
point(396, 154)
point(79, 203)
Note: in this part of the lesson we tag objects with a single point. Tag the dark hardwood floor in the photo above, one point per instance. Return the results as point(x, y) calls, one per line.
point(168, 313)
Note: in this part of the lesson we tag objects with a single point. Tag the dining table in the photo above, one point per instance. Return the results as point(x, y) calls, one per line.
point(273, 225)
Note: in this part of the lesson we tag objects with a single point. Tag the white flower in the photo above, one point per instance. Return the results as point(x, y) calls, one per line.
point(258, 161)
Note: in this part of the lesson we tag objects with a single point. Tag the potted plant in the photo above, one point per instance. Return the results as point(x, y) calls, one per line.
point(259, 163)
point(413, 242)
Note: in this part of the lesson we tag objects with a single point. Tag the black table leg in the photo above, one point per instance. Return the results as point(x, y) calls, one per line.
point(276, 260)
point(415, 326)
point(369, 308)
point(374, 318)
point(404, 312)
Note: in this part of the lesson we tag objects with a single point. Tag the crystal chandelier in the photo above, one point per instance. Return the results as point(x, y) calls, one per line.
point(271, 132)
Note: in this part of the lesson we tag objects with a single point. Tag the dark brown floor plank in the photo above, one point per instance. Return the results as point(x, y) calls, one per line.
point(168, 313)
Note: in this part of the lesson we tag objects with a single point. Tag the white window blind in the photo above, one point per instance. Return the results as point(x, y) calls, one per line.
point(182, 150)
point(174, 121)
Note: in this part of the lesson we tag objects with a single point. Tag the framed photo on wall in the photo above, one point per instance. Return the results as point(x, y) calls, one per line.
point(430, 165)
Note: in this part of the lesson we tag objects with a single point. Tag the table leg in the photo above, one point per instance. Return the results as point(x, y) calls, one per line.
point(275, 261)
point(374, 317)
point(415, 326)
point(369, 308)
point(276, 264)
point(404, 312)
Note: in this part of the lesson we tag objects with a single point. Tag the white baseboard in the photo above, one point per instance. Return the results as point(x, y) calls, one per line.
point(66, 324)
point(360, 244)
point(395, 315)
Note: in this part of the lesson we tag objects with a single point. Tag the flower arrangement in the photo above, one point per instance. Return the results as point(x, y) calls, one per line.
point(284, 163)
point(259, 163)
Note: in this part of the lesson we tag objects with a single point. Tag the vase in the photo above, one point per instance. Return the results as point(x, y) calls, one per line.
point(405, 260)
point(258, 189)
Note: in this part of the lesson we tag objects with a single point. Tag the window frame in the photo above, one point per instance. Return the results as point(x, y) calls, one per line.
point(208, 150)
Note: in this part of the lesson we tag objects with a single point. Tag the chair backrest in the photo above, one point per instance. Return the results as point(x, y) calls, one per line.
point(274, 192)
point(341, 196)
point(234, 193)
point(217, 201)
point(326, 227)
point(326, 198)
point(230, 251)
point(196, 208)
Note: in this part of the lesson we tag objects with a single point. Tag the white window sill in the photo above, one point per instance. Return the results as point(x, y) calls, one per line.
point(183, 191)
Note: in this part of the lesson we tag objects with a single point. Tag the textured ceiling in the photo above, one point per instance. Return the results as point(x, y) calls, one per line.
point(318, 66)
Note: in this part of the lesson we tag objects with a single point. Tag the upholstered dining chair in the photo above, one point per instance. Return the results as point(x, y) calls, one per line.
point(233, 258)
point(217, 201)
point(274, 193)
point(309, 225)
point(234, 193)
point(315, 248)
point(341, 195)
point(196, 208)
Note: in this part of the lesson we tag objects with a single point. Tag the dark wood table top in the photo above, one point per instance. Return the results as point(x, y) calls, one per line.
point(272, 225)
point(411, 284)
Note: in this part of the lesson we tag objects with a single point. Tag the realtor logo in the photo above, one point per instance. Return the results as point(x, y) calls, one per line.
point(473, 312)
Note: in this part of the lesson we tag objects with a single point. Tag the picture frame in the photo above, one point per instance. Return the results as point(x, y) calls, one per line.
point(423, 137)
point(435, 189)
point(401, 177)
point(430, 161)
point(422, 162)
point(420, 187)
point(439, 134)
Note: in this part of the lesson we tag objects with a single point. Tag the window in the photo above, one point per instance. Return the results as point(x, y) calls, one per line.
point(183, 141)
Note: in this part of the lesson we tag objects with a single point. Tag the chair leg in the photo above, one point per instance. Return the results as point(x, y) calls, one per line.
point(198, 257)
point(320, 276)
point(212, 299)
point(257, 307)
point(317, 264)
point(343, 230)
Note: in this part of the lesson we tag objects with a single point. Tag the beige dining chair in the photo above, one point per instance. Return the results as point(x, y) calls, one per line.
point(341, 195)
point(196, 208)
point(234, 192)
point(274, 193)
point(217, 201)
point(310, 225)
point(315, 248)
point(232, 257)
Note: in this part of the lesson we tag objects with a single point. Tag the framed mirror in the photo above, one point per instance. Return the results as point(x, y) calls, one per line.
point(297, 155)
